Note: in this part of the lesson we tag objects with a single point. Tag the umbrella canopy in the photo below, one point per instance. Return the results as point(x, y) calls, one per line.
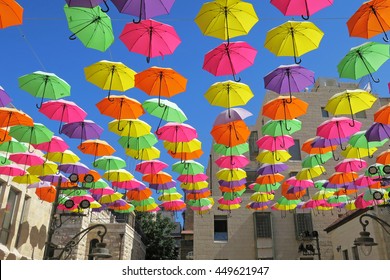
point(36, 134)
point(96, 147)
point(383, 158)
point(189, 167)
point(56, 144)
point(44, 85)
point(231, 151)
point(144, 154)
point(118, 175)
point(150, 38)
point(4, 98)
point(192, 178)
point(26, 159)
point(144, 9)
point(91, 25)
point(309, 173)
point(359, 153)
point(304, 8)
point(150, 166)
point(83, 130)
point(231, 134)
point(66, 156)
point(46, 193)
point(317, 159)
point(225, 19)
point(176, 132)
point(70, 168)
point(129, 127)
point(350, 165)
point(231, 162)
point(363, 60)
point(268, 168)
point(183, 147)
point(10, 117)
point(229, 59)
point(284, 108)
point(26, 179)
point(109, 163)
point(12, 146)
point(11, 13)
point(293, 38)
point(232, 114)
point(12, 170)
point(382, 115)
point(63, 111)
point(370, 20)
point(273, 157)
point(359, 140)
point(47, 168)
point(120, 106)
point(109, 75)
point(138, 143)
point(288, 79)
point(377, 132)
point(281, 127)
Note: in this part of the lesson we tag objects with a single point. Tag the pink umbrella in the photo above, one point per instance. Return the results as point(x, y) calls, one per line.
point(292, 181)
point(231, 162)
point(192, 178)
point(78, 198)
point(229, 59)
point(364, 181)
point(174, 205)
point(27, 159)
point(230, 115)
point(132, 184)
point(39, 185)
point(361, 203)
point(11, 170)
point(237, 200)
point(102, 191)
point(63, 111)
point(303, 8)
point(350, 165)
point(176, 132)
point(56, 144)
point(272, 143)
point(150, 166)
point(316, 203)
point(150, 38)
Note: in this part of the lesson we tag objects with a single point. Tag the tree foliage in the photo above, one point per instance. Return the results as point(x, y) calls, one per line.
point(157, 229)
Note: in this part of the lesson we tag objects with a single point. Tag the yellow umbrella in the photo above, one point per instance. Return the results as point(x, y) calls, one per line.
point(109, 75)
point(109, 198)
point(310, 173)
point(94, 205)
point(119, 175)
point(228, 94)
point(231, 174)
point(66, 156)
point(144, 154)
point(353, 152)
point(261, 197)
point(129, 127)
point(321, 195)
point(170, 196)
point(273, 157)
point(183, 147)
point(146, 208)
point(26, 179)
point(225, 19)
point(229, 207)
point(47, 168)
point(293, 38)
point(350, 102)
point(194, 186)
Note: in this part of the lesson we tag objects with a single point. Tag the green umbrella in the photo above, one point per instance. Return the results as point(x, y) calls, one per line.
point(338, 199)
point(233, 195)
point(266, 187)
point(91, 25)
point(44, 85)
point(199, 202)
point(317, 159)
point(363, 60)
point(143, 202)
point(319, 184)
point(138, 143)
point(36, 134)
point(4, 161)
point(109, 163)
point(359, 140)
point(99, 184)
point(165, 110)
point(12, 146)
point(231, 151)
point(281, 127)
point(189, 167)
point(74, 192)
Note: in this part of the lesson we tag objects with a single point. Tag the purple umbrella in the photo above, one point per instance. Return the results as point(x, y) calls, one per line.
point(377, 132)
point(166, 186)
point(196, 191)
point(288, 79)
point(84, 130)
point(320, 142)
point(232, 184)
point(272, 168)
point(70, 168)
point(144, 9)
point(4, 98)
point(236, 114)
point(132, 184)
point(87, 4)
point(54, 179)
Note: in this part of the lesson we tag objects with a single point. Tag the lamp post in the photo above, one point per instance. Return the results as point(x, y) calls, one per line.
point(309, 249)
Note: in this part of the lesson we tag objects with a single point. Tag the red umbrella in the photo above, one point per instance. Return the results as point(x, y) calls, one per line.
point(229, 59)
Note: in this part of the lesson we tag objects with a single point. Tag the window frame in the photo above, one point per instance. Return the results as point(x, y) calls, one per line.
point(263, 230)
point(224, 235)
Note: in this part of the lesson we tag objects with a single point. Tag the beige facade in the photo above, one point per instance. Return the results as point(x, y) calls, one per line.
point(245, 240)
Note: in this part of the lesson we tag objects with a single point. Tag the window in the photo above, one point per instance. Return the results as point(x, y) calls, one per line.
point(220, 228)
point(324, 113)
point(263, 226)
point(250, 178)
point(303, 223)
point(345, 255)
point(8, 215)
point(295, 151)
point(292, 174)
point(253, 148)
point(24, 217)
point(361, 115)
point(355, 253)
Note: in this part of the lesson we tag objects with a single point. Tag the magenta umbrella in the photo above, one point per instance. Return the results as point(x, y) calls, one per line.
point(229, 59)
point(83, 130)
point(76, 168)
point(350, 165)
point(63, 111)
point(87, 4)
point(232, 114)
point(150, 38)
point(27, 159)
point(56, 144)
point(303, 8)
point(231, 162)
point(192, 178)
point(237, 200)
point(292, 181)
point(11, 170)
point(4, 98)
point(132, 184)
point(165, 186)
point(102, 191)
point(276, 143)
point(176, 132)
point(144, 9)
point(364, 181)
point(150, 166)
point(271, 168)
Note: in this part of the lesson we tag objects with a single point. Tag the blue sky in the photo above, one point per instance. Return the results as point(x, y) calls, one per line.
point(42, 43)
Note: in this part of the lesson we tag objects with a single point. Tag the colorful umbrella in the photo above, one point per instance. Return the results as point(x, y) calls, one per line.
point(109, 75)
point(10, 117)
point(382, 115)
point(174, 205)
point(225, 19)
point(229, 59)
point(12, 170)
point(309, 173)
point(268, 168)
point(176, 132)
point(118, 175)
point(272, 143)
point(231, 162)
point(285, 204)
point(317, 159)
point(36, 134)
point(359, 140)
point(288, 79)
point(363, 60)
point(383, 158)
point(26, 179)
point(150, 38)
point(87, 4)
point(91, 25)
point(83, 130)
point(129, 127)
point(139, 194)
point(293, 38)
point(4, 98)
point(56, 144)
point(96, 147)
point(76, 168)
point(46, 193)
point(26, 159)
point(353, 152)
point(377, 132)
point(44, 85)
point(150, 166)
point(281, 127)
point(192, 178)
point(12, 146)
point(284, 108)
point(304, 8)
point(132, 184)
point(11, 13)
point(109, 163)
point(190, 167)
point(370, 20)
point(231, 151)
point(232, 114)
point(231, 134)
point(144, 9)
point(350, 165)
point(273, 157)
point(138, 143)
point(47, 168)
point(66, 156)
point(144, 154)
point(183, 147)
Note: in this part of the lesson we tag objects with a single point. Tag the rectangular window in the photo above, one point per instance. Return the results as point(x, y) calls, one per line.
point(355, 253)
point(303, 224)
point(345, 255)
point(8, 215)
point(251, 176)
point(361, 115)
point(220, 228)
point(292, 174)
point(324, 113)
point(295, 151)
point(253, 148)
point(263, 224)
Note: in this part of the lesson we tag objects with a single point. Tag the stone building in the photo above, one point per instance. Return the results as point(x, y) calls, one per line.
point(269, 234)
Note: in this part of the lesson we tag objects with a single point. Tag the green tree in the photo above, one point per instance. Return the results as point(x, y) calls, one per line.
point(157, 229)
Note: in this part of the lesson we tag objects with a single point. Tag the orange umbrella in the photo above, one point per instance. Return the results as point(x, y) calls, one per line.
point(158, 81)
point(384, 157)
point(196, 196)
point(269, 178)
point(11, 13)
point(339, 178)
point(383, 115)
point(308, 148)
point(10, 117)
point(370, 20)
point(139, 194)
point(233, 189)
point(231, 133)
point(186, 156)
point(120, 107)
point(292, 195)
point(46, 193)
point(96, 147)
point(344, 192)
point(94, 173)
point(158, 178)
point(4, 135)
point(284, 108)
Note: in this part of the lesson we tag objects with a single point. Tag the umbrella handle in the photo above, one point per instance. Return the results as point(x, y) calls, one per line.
point(305, 17)
point(297, 61)
point(307, 12)
point(107, 7)
point(236, 79)
point(137, 21)
point(4, 161)
point(334, 156)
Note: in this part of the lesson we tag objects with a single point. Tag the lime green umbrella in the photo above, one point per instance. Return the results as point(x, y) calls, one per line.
point(338, 199)
point(317, 159)
point(92, 26)
point(363, 60)
point(231, 151)
point(281, 127)
point(12, 146)
point(285, 204)
point(138, 143)
point(189, 167)
point(199, 202)
point(109, 163)
point(233, 195)
point(44, 85)
point(359, 140)
point(99, 184)
point(322, 185)
point(74, 192)
point(4, 160)
point(266, 187)
point(36, 134)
